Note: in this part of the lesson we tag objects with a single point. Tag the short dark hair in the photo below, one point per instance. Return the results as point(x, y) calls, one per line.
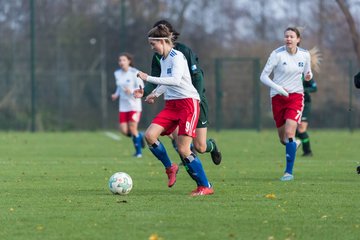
point(175, 34)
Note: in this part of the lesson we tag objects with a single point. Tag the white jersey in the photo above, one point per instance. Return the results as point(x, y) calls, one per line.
point(288, 70)
point(175, 79)
point(128, 80)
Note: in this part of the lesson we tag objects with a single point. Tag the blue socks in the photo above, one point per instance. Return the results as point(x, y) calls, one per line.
point(195, 168)
point(160, 153)
point(290, 155)
point(137, 143)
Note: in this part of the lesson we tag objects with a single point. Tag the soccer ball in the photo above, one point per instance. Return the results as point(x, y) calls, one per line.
point(120, 183)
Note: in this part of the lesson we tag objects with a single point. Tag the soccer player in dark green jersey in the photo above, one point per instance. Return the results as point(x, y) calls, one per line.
point(201, 143)
point(309, 87)
point(301, 133)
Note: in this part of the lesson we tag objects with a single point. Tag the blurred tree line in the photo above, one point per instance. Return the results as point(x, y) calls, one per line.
point(77, 44)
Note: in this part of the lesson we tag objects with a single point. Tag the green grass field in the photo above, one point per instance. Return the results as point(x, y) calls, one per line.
point(54, 186)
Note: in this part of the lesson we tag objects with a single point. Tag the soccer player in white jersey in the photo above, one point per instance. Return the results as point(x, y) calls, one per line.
point(181, 109)
point(129, 107)
point(289, 63)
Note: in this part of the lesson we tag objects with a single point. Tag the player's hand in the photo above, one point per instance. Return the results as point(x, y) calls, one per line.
point(138, 93)
point(127, 91)
point(142, 76)
point(308, 76)
point(114, 97)
point(150, 98)
point(284, 92)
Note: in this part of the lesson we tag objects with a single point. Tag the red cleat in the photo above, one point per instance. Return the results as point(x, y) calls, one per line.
point(201, 190)
point(171, 172)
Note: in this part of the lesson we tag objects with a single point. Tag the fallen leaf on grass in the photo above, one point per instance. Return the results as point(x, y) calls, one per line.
point(39, 227)
point(231, 235)
point(270, 196)
point(154, 236)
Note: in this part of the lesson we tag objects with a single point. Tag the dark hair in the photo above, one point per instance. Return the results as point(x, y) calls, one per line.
point(296, 31)
point(161, 31)
point(175, 34)
point(129, 56)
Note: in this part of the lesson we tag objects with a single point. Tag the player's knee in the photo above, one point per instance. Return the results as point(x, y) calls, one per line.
point(150, 137)
point(124, 131)
point(199, 147)
point(289, 133)
point(301, 129)
point(132, 129)
point(183, 150)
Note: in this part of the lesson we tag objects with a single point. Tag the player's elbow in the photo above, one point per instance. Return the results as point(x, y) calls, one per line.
point(263, 78)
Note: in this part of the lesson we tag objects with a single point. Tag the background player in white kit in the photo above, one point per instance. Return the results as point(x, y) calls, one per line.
point(129, 107)
point(181, 109)
point(289, 63)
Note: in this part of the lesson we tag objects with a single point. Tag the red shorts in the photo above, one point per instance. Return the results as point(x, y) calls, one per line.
point(180, 112)
point(287, 108)
point(132, 116)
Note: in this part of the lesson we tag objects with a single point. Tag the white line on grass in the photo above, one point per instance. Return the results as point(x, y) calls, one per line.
point(113, 136)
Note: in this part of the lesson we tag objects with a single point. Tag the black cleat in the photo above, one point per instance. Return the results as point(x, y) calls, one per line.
point(215, 153)
point(307, 154)
point(358, 169)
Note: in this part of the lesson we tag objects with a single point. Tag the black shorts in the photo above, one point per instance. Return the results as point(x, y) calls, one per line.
point(306, 112)
point(204, 113)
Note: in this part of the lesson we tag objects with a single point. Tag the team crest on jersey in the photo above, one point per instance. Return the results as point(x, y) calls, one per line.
point(128, 80)
point(168, 71)
point(284, 63)
point(301, 64)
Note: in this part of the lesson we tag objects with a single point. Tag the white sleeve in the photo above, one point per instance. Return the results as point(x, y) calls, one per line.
point(177, 72)
point(269, 67)
point(118, 88)
point(307, 67)
point(159, 90)
point(118, 91)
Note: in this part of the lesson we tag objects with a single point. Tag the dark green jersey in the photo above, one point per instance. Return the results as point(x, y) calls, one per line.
point(195, 72)
point(309, 87)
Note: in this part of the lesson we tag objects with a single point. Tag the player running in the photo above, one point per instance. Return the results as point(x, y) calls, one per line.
point(309, 87)
point(181, 109)
point(301, 132)
point(129, 107)
point(201, 144)
point(289, 63)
